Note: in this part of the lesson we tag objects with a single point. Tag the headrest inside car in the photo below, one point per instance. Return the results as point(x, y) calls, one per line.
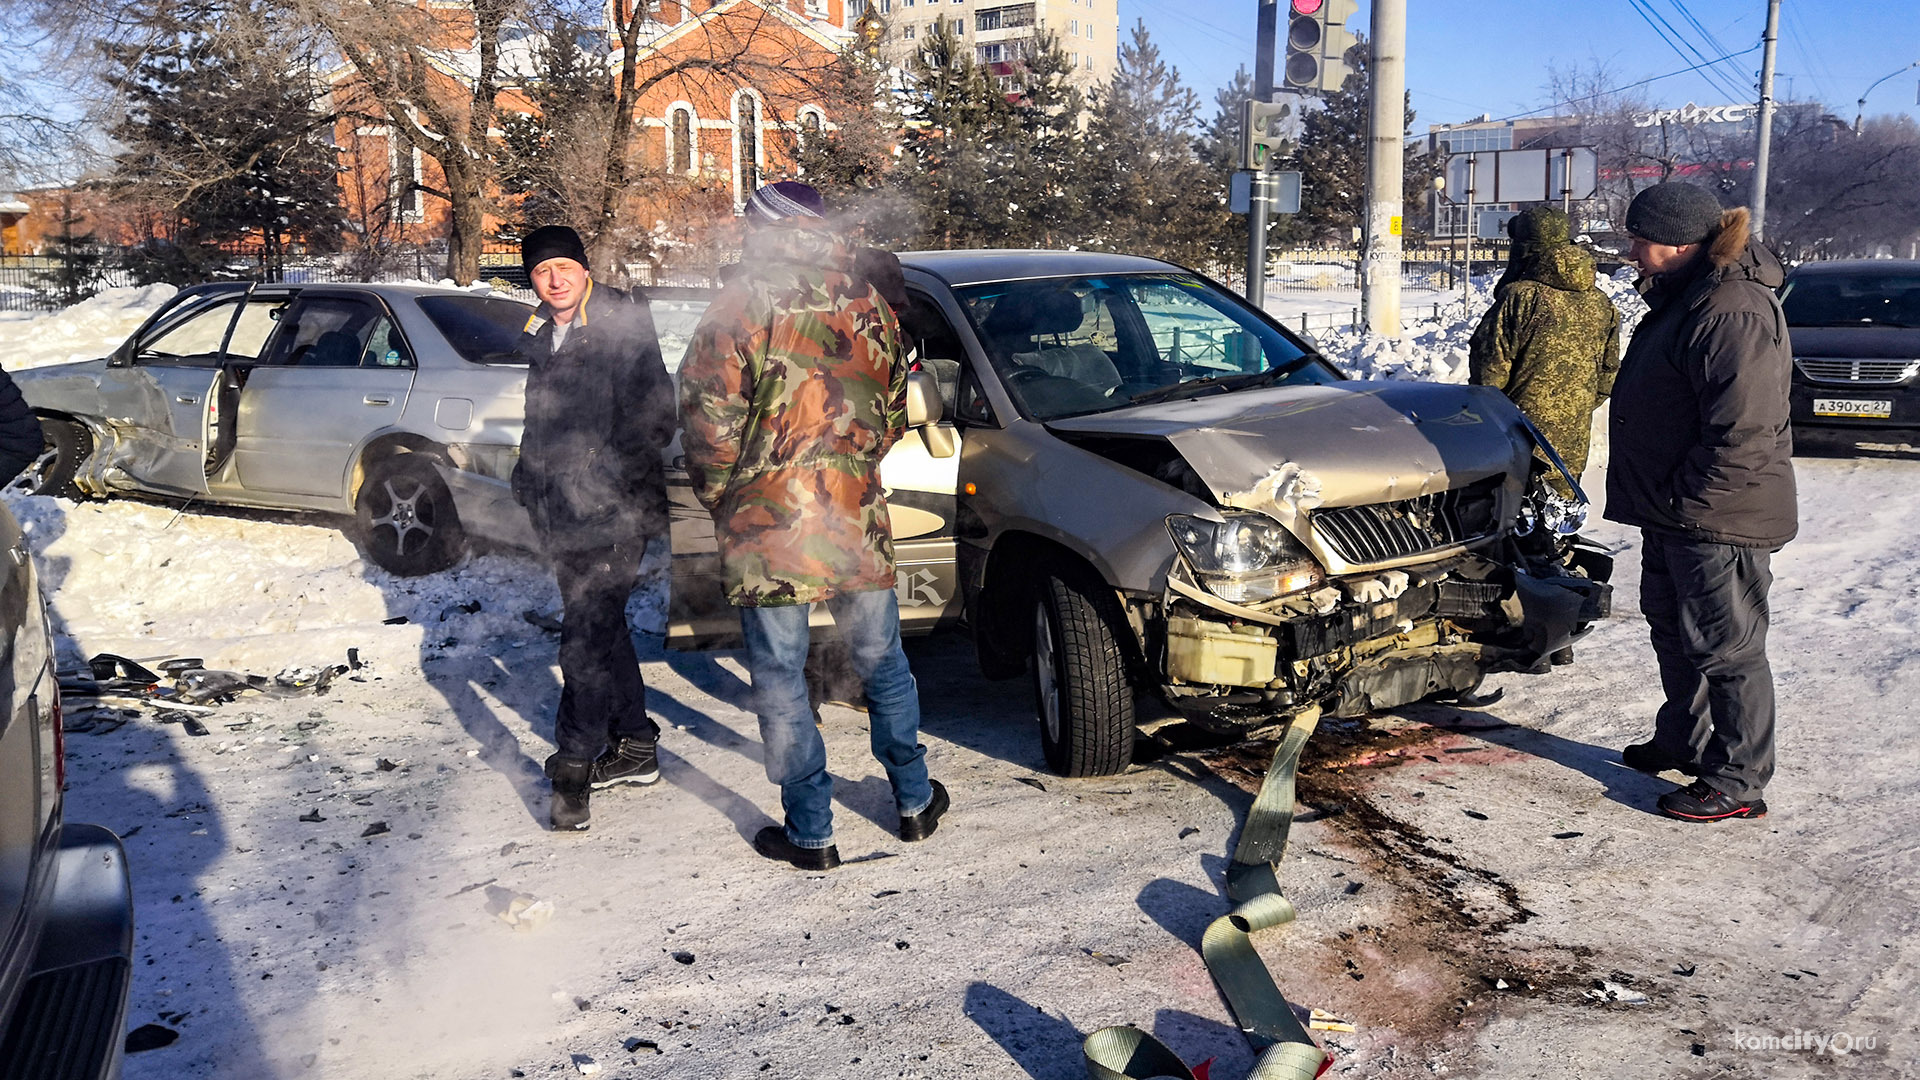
point(1029, 314)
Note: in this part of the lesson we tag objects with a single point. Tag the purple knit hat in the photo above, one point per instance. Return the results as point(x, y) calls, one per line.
point(786, 199)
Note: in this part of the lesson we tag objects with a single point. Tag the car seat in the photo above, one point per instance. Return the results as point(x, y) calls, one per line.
point(335, 348)
point(1034, 315)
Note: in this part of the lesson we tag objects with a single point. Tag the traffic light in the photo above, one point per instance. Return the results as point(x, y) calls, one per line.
point(1317, 44)
point(1268, 129)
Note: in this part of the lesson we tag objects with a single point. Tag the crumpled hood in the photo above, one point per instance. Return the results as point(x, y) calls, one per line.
point(1289, 449)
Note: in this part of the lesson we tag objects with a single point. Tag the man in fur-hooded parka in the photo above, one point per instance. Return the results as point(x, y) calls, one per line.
point(1701, 461)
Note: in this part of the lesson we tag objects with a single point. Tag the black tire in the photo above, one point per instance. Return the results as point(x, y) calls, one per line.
point(1082, 697)
point(407, 523)
point(66, 446)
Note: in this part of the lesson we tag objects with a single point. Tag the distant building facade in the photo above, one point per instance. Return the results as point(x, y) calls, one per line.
point(1000, 33)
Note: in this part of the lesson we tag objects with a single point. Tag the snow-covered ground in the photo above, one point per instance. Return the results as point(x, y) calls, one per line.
point(318, 877)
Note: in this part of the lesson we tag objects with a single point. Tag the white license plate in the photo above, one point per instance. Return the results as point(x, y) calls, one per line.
point(1849, 407)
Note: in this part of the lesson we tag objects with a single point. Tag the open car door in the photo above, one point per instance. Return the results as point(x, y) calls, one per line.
point(161, 394)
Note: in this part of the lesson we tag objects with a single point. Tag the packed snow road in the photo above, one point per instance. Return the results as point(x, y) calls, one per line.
point(320, 880)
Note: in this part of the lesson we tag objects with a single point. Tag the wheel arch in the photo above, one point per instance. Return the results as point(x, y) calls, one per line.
point(385, 445)
point(1015, 567)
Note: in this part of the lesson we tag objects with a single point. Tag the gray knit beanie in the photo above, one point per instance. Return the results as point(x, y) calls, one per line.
point(1674, 213)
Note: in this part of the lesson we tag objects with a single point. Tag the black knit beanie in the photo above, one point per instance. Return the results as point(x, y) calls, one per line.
point(1674, 213)
point(551, 242)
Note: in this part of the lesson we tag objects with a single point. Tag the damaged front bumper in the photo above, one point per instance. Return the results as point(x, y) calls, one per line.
point(1376, 641)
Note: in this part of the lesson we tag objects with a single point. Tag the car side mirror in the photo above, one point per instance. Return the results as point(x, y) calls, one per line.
point(924, 412)
point(923, 399)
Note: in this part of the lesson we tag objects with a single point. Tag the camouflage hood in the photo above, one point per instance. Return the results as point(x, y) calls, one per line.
point(1563, 267)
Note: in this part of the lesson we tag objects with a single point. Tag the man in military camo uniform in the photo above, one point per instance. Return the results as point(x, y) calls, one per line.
point(1551, 340)
point(791, 392)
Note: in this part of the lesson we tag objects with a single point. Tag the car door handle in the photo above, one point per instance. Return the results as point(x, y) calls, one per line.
point(187, 399)
point(377, 399)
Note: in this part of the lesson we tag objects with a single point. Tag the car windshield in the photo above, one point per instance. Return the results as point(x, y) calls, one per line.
point(1868, 297)
point(1076, 345)
point(482, 329)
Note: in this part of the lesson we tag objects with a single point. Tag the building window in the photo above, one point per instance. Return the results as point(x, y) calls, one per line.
point(999, 18)
point(812, 122)
point(907, 31)
point(1475, 140)
point(1073, 28)
point(959, 28)
point(746, 143)
point(403, 185)
point(680, 140)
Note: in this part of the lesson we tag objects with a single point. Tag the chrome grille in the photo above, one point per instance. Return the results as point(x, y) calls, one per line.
point(1379, 532)
point(1859, 372)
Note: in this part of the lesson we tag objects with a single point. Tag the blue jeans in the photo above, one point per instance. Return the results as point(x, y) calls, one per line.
point(796, 756)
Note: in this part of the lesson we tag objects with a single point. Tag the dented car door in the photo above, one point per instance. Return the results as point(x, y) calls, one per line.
point(159, 396)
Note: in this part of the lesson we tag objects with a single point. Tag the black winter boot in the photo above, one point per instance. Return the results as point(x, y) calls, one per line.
point(567, 809)
point(627, 761)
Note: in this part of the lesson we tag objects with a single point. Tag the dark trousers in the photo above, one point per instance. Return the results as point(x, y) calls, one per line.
point(602, 697)
point(1706, 605)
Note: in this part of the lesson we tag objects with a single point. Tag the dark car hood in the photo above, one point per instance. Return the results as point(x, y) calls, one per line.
point(1856, 342)
point(1291, 448)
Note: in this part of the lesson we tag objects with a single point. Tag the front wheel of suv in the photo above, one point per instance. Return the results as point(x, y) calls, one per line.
point(1080, 687)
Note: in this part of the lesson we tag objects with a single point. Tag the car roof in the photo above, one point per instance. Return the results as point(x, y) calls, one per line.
point(981, 266)
point(389, 290)
point(1854, 266)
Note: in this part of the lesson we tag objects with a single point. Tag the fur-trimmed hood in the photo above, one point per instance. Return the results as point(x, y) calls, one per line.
point(1732, 255)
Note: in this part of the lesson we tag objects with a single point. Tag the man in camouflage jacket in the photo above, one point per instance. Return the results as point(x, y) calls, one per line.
point(1551, 340)
point(791, 392)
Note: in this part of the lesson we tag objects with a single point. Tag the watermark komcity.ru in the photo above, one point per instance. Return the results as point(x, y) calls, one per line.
point(1838, 1042)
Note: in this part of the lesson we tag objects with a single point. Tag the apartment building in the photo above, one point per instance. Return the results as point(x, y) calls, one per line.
point(999, 32)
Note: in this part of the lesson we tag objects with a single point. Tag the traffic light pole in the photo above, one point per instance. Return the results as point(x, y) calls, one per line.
point(1257, 202)
point(1386, 168)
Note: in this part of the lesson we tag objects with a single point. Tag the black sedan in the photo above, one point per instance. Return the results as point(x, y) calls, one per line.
point(1856, 343)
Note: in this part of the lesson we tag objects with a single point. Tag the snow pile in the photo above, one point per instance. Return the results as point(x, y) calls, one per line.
point(85, 331)
point(1435, 349)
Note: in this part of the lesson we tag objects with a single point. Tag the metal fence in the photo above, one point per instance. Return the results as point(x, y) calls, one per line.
point(1327, 269)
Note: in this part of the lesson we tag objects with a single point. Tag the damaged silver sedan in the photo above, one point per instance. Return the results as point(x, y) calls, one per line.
point(1156, 494)
point(400, 405)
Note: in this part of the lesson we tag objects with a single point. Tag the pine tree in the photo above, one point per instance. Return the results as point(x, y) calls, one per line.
point(222, 130)
point(555, 156)
point(958, 149)
point(1155, 194)
point(77, 276)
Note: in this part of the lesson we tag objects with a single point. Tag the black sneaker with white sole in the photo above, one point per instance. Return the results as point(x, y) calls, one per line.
point(627, 761)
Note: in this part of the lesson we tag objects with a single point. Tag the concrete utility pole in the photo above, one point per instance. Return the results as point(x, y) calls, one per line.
point(1766, 121)
point(1264, 34)
point(1386, 167)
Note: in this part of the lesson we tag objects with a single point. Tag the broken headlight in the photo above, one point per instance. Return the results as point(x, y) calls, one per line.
point(1246, 558)
point(1546, 509)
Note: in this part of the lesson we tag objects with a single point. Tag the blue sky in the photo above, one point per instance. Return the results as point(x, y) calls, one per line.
point(1491, 56)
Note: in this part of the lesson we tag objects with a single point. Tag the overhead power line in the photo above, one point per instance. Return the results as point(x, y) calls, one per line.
point(1629, 86)
point(1680, 45)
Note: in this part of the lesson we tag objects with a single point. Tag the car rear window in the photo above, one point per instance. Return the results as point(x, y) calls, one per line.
point(482, 329)
point(1876, 298)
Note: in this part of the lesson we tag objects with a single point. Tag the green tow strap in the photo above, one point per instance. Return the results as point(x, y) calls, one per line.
point(1287, 1051)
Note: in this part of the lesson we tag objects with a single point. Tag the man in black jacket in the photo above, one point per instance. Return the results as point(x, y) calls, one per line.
point(600, 410)
point(1702, 462)
point(21, 440)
